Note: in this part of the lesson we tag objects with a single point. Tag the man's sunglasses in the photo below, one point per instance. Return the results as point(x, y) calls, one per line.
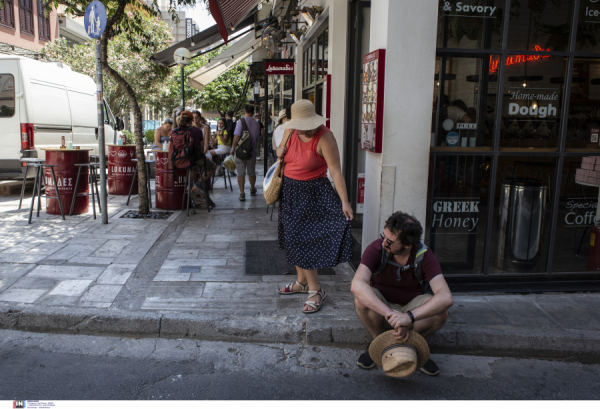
point(392, 243)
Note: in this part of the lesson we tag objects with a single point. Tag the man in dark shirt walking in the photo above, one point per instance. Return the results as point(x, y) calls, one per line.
point(390, 296)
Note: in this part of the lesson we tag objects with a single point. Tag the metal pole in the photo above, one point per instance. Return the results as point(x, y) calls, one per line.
point(103, 197)
point(182, 89)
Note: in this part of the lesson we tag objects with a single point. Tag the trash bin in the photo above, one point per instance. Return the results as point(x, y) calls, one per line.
point(521, 224)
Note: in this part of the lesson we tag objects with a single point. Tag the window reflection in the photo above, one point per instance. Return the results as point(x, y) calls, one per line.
point(531, 107)
point(457, 211)
point(577, 239)
point(584, 106)
point(539, 22)
point(475, 25)
point(464, 103)
point(7, 95)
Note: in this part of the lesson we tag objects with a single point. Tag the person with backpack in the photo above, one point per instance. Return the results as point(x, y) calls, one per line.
point(187, 150)
point(246, 135)
point(390, 282)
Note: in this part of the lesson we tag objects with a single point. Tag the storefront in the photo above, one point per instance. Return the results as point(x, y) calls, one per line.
point(515, 110)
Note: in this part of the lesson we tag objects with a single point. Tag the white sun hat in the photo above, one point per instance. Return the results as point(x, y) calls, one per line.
point(304, 117)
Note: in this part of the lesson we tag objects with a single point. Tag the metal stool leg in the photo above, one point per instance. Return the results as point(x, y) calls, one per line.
point(39, 193)
point(229, 177)
point(205, 190)
point(149, 186)
point(75, 191)
point(33, 193)
point(185, 192)
point(62, 213)
point(91, 179)
point(96, 177)
point(190, 179)
point(131, 188)
point(23, 185)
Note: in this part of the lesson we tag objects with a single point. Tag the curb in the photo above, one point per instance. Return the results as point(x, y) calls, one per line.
point(453, 338)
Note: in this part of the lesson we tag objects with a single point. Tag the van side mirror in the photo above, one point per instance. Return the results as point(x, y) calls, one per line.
point(120, 124)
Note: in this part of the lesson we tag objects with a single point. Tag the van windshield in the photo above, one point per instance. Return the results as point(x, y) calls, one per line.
point(7, 95)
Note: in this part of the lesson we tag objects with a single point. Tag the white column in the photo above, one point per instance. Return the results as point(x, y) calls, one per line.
point(338, 32)
point(396, 179)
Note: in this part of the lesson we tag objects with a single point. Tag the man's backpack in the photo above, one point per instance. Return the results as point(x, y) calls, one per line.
point(181, 149)
point(244, 146)
point(416, 266)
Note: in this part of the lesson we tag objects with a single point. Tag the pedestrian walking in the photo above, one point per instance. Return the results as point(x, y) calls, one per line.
point(262, 135)
point(248, 166)
point(314, 222)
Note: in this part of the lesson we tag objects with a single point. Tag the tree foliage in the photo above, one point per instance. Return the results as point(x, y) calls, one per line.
point(127, 55)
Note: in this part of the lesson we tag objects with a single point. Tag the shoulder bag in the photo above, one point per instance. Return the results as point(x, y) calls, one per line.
point(274, 178)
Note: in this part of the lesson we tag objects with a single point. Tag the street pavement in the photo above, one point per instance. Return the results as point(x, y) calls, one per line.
point(184, 278)
point(82, 367)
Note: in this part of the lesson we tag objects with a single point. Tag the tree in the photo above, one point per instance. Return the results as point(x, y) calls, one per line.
point(226, 91)
point(126, 17)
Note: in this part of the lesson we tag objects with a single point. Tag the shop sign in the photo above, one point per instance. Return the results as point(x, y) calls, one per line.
point(533, 103)
point(473, 10)
point(580, 212)
point(461, 214)
point(360, 194)
point(371, 134)
point(452, 138)
point(279, 68)
point(517, 59)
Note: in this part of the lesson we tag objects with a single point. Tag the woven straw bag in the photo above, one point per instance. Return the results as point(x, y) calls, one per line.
point(274, 179)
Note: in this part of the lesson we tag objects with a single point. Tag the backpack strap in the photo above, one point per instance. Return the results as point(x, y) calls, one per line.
point(244, 124)
point(416, 266)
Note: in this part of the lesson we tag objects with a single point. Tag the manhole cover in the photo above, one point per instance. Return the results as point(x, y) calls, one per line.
point(134, 214)
point(189, 269)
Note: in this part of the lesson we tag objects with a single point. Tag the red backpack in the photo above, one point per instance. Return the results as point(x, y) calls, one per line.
point(181, 149)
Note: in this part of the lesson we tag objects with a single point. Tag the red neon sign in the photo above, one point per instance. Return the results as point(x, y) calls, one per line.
point(516, 59)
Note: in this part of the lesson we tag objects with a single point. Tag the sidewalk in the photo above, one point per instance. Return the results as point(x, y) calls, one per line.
point(126, 279)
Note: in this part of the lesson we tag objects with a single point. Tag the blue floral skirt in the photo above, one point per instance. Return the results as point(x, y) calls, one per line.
point(312, 226)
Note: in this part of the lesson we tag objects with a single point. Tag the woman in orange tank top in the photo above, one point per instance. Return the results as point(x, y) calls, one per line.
point(314, 221)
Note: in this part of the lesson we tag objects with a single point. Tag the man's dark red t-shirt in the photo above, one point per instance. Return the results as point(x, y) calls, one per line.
point(399, 292)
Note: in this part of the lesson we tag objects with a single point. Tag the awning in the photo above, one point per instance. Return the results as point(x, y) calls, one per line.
point(229, 13)
point(201, 41)
point(239, 51)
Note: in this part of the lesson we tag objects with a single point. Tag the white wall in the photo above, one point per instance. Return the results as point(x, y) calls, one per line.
point(397, 178)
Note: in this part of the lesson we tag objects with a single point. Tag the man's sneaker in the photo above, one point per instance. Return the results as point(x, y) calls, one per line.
point(365, 361)
point(233, 173)
point(430, 368)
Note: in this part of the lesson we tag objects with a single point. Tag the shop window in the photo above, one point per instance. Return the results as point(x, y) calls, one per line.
point(43, 21)
point(7, 95)
point(325, 52)
point(457, 207)
point(532, 103)
point(588, 27)
point(26, 16)
point(7, 13)
point(522, 214)
point(542, 23)
point(577, 241)
point(464, 103)
point(313, 63)
point(584, 106)
point(475, 25)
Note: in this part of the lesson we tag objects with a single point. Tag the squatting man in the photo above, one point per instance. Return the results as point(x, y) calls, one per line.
point(387, 291)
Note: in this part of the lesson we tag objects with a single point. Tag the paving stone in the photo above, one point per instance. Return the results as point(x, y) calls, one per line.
point(35, 283)
point(171, 276)
point(7, 282)
point(102, 293)
point(67, 272)
point(112, 248)
point(177, 253)
point(195, 262)
point(22, 258)
point(47, 248)
point(116, 274)
point(15, 270)
point(18, 295)
point(71, 287)
point(58, 300)
point(19, 248)
point(62, 255)
point(79, 259)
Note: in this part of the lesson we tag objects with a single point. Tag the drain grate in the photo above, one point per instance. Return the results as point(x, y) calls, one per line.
point(189, 269)
point(134, 214)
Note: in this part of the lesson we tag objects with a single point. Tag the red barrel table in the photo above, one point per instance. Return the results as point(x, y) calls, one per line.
point(66, 175)
point(169, 190)
point(121, 169)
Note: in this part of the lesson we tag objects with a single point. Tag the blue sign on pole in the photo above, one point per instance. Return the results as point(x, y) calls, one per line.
point(95, 19)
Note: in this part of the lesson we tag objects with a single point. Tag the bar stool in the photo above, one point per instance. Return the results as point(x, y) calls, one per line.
point(135, 175)
point(93, 182)
point(27, 162)
point(189, 183)
point(226, 173)
point(37, 187)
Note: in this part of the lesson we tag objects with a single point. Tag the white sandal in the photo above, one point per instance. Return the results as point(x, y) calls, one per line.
point(313, 304)
point(288, 289)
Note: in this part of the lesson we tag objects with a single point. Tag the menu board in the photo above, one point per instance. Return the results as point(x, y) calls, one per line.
point(372, 101)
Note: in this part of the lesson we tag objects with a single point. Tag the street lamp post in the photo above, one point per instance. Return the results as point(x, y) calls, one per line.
point(182, 57)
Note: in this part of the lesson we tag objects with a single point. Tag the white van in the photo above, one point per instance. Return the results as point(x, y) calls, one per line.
point(39, 103)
